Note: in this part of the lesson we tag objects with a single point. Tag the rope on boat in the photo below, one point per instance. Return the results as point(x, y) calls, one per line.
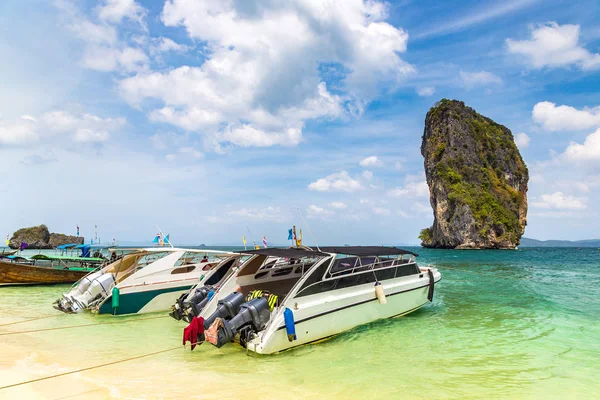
point(88, 368)
point(32, 319)
point(79, 326)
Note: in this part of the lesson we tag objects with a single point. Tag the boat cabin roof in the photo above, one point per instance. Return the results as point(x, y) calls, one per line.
point(363, 251)
point(291, 252)
point(65, 258)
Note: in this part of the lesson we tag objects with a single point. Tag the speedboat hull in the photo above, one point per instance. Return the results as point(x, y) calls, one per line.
point(319, 317)
point(12, 273)
point(146, 298)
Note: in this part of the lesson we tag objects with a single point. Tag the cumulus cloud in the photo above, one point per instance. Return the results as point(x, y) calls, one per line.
point(411, 189)
point(103, 50)
point(338, 182)
point(338, 205)
point(560, 201)
point(106, 59)
point(557, 118)
point(79, 127)
point(372, 161)
point(425, 91)
point(554, 45)
point(586, 152)
point(316, 211)
point(480, 78)
point(116, 10)
point(262, 75)
point(164, 45)
point(522, 140)
point(368, 175)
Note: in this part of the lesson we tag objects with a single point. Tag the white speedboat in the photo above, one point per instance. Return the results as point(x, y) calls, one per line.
point(306, 296)
point(143, 281)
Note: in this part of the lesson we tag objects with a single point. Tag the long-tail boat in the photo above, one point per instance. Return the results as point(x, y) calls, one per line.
point(43, 269)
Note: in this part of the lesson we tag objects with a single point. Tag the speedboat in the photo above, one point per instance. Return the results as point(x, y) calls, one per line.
point(140, 282)
point(306, 295)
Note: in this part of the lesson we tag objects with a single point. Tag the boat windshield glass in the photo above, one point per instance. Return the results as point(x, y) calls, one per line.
point(152, 257)
point(194, 257)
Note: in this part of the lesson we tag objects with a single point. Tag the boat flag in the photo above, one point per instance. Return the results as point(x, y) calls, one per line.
point(23, 245)
point(299, 240)
point(290, 235)
point(244, 241)
point(77, 230)
point(166, 241)
point(265, 241)
point(7, 241)
point(156, 239)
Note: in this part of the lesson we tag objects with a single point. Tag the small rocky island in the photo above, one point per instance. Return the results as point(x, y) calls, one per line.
point(39, 237)
point(477, 180)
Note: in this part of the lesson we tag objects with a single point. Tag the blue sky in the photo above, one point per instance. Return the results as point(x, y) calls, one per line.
point(207, 117)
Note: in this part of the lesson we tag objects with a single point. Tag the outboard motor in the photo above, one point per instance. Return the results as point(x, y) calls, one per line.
point(189, 305)
point(253, 317)
point(227, 307)
point(99, 288)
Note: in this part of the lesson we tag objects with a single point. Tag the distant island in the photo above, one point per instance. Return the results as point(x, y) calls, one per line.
point(528, 242)
point(39, 237)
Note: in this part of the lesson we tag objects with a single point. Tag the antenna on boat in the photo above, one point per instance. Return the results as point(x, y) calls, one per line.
point(308, 227)
point(251, 238)
point(163, 235)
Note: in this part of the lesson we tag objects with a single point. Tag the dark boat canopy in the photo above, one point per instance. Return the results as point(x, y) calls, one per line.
point(291, 252)
point(363, 251)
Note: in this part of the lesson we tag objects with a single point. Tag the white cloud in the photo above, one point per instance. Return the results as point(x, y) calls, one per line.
point(560, 201)
point(261, 79)
point(381, 211)
point(372, 161)
point(115, 10)
point(315, 211)
point(411, 189)
point(554, 45)
point(79, 127)
point(588, 152)
point(17, 133)
point(102, 58)
point(338, 205)
point(480, 78)
point(368, 175)
point(425, 91)
point(185, 154)
point(557, 118)
point(164, 45)
point(478, 16)
point(399, 166)
point(340, 182)
point(522, 140)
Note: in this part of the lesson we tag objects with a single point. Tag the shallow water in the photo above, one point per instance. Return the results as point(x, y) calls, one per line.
point(503, 324)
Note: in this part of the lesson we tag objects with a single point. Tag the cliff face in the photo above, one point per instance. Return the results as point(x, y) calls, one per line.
point(477, 180)
point(38, 237)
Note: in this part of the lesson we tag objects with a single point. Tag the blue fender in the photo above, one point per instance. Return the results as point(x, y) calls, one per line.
point(290, 326)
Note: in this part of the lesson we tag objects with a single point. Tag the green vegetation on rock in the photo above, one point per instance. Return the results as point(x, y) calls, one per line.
point(476, 174)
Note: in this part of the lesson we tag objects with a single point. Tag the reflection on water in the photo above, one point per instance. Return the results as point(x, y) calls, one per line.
point(503, 324)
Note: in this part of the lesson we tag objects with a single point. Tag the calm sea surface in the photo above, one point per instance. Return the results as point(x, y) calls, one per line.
point(503, 324)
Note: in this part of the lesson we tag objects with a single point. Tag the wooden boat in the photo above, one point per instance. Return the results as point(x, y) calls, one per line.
point(7, 253)
point(21, 271)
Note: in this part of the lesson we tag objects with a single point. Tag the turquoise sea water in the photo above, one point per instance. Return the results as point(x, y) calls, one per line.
point(503, 324)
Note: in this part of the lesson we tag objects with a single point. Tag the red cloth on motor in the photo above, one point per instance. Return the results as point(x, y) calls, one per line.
point(195, 328)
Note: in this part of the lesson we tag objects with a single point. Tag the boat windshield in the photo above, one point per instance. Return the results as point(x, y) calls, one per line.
point(195, 257)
